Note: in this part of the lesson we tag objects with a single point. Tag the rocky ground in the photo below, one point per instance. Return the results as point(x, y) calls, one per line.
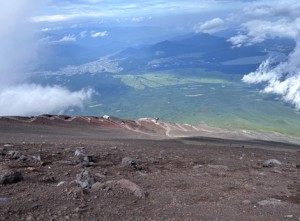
point(60, 168)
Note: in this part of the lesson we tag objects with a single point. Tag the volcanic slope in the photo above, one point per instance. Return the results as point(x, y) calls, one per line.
point(55, 167)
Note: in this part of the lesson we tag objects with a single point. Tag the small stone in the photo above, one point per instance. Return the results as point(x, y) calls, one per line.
point(100, 175)
point(246, 202)
point(61, 183)
point(8, 145)
point(76, 192)
point(86, 160)
point(85, 179)
point(271, 163)
point(277, 171)
point(198, 166)
point(270, 202)
point(128, 161)
point(29, 218)
point(48, 179)
point(31, 168)
point(79, 152)
point(218, 167)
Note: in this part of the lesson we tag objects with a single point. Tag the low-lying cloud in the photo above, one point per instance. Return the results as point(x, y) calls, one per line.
point(31, 99)
point(281, 79)
point(17, 55)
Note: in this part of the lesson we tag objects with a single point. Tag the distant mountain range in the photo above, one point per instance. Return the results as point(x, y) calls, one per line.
point(212, 53)
point(195, 51)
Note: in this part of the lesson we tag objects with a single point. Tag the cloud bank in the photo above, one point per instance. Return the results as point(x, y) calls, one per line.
point(31, 99)
point(281, 79)
point(17, 54)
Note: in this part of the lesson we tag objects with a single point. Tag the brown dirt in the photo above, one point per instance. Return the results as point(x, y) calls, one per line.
point(185, 178)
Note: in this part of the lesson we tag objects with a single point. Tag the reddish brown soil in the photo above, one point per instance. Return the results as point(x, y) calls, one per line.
point(186, 179)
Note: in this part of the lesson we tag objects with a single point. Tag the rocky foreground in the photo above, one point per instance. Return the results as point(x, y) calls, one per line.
point(88, 168)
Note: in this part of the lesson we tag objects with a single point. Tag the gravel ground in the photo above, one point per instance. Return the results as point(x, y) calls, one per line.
point(53, 170)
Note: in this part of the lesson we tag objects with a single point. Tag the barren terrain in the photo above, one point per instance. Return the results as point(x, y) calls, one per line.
point(88, 168)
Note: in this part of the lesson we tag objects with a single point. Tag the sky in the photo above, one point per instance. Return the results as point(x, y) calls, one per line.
point(250, 22)
point(55, 10)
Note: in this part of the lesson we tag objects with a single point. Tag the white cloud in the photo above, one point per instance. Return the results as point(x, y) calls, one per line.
point(18, 46)
point(68, 17)
point(281, 79)
point(238, 40)
point(257, 31)
point(281, 8)
point(68, 38)
point(260, 11)
point(30, 99)
point(211, 26)
point(99, 34)
point(52, 18)
point(51, 29)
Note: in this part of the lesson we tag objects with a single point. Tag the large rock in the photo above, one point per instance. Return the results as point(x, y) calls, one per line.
point(21, 156)
point(132, 187)
point(8, 176)
point(123, 184)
